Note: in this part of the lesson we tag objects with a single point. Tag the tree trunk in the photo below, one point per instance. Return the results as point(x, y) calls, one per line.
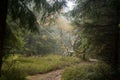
point(84, 56)
point(3, 14)
point(116, 57)
point(116, 62)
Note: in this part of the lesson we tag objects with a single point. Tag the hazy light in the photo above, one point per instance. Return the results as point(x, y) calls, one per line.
point(63, 23)
point(70, 5)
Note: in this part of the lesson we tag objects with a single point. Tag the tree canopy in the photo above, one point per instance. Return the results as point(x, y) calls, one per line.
point(97, 22)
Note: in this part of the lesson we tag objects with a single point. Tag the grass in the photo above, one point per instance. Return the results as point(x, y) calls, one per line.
point(97, 71)
point(20, 65)
point(34, 65)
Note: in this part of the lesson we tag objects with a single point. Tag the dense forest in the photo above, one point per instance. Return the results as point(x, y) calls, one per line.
point(70, 39)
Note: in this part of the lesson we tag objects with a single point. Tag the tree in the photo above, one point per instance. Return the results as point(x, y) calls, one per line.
point(21, 13)
point(39, 44)
point(98, 21)
point(3, 13)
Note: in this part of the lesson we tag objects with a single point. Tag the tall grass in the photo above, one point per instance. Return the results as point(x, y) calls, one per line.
point(87, 72)
point(33, 65)
point(17, 67)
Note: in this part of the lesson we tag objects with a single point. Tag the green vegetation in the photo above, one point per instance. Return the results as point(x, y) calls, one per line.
point(18, 16)
point(37, 28)
point(97, 23)
point(17, 67)
point(87, 72)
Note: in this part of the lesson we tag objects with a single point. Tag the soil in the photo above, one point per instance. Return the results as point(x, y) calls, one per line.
point(53, 75)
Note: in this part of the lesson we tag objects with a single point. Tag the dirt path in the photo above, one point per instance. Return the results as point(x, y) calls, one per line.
point(54, 75)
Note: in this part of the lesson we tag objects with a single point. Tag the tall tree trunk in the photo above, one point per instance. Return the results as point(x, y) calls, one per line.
point(116, 58)
point(115, 61)
point(117, 39)
point(3, 14)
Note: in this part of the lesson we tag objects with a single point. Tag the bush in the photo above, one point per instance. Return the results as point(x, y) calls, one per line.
point(11, 69)
point(13, 74)
point(87, 72)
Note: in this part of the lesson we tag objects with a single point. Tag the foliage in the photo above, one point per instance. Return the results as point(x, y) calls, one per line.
point(38, 44)
point(20, 15)
point(98, 31)
point(97, 22)
point(29, 8)
point(17, 24)
point(13, 74)
point(15, 65)
point(87, 72)
point(10, 70)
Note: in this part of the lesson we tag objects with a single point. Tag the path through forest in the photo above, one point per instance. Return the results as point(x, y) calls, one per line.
point(53, 75)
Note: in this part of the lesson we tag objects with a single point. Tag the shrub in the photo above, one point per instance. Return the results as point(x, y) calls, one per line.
point(13, 74)
point(87, 72)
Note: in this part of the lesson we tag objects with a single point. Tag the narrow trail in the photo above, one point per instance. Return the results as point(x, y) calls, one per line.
point(54, 75)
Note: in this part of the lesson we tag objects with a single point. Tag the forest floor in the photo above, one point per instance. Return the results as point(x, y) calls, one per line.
point(53, 75)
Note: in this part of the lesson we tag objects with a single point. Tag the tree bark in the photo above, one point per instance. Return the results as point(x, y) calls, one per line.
point(84, 56)
point(116, 57)
point(116, 62)
point(3, 15)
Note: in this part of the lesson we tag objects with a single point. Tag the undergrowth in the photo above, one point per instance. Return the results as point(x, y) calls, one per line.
point(97, 71)
point(17, 67)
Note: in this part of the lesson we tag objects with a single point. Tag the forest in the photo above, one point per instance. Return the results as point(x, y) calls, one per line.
point(59, 39)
